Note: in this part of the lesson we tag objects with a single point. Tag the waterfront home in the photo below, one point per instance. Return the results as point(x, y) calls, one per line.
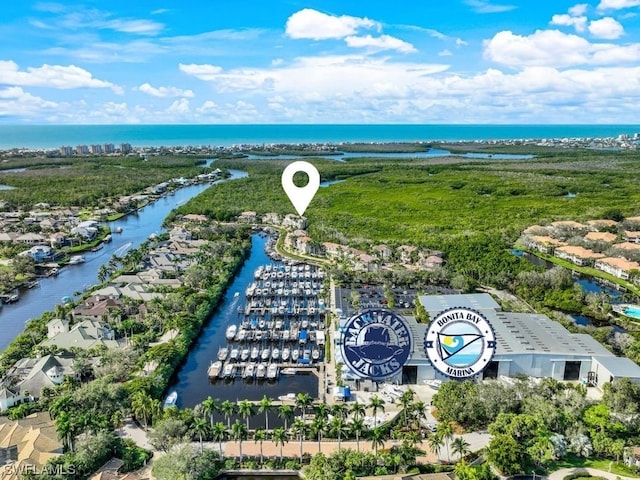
point(617, 266)
point(39, 253)
point(180, 234)
point(27, 444)
point(98, 308)
point(30, 239)
point(56, 326)
point(604, 237)
point(567, 228)
point(58, 239)
point(194, 217)
point(578, 255)
point(628, 246)
point(30, 376)
point(85, 335)
point(139, 292)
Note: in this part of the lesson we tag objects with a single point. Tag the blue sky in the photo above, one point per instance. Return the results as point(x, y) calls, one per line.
point(293, 61)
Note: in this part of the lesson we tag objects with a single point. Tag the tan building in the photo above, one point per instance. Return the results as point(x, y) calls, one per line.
point(543, 244)
point(598, 225)
point(617, 266)
point(578, 255)
point(601, 237)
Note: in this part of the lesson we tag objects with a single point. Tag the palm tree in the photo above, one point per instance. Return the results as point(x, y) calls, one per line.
point(303, 400)
point(209, 407)
point(435, 443)
point(377, 439)
point(406, 400)
point(376, 403)
point(247, 410)
point(142, 406)
point(357, 428)
point(279, 436)
point(239, 433)
point(339, 428)
point(340, 410)
point(322, 410)
point(285, 412)
point(445, 431)
point(65, 430)
point(318, 427)
point(219, 433)
point(299, 428)
point(358, 410)
point(201, 429)
point(419, 411)
point(228, 408)
point(260, 435)
point(265, 407)
point(461, 447)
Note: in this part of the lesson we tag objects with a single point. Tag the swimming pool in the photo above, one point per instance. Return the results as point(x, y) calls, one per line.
point(632, 311)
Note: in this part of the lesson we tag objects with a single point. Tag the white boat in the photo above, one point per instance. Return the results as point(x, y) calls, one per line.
point(234, 354)
point(236, 295)
point(285, 335)
point(295, 354)
point(215, 369)
point(289, 397)
point(171, 400)
point(261, 371)
point(288, 371)
point(272, 371)
point(223, 353)
point(315, 354)
point(244, 355)
point(249, 371)
point(255, 353)
point(266, 353)
point(285, 354)
point(118, 230)
point(275, 353)
point(75, 259)
point(231, 331)
point(242, 334)
point(229, 371)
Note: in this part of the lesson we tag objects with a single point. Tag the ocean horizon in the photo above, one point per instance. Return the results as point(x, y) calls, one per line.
point(55, 136)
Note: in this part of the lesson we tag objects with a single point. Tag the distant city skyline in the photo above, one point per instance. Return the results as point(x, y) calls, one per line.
point(286, 61)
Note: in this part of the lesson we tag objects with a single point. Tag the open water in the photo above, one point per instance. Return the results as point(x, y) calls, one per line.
point(54, 136)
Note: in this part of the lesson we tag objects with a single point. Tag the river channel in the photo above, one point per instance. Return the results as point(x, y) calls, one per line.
point(136, 228)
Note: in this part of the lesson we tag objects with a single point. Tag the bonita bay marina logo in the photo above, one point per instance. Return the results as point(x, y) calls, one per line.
point(376, 344)
point(460, 342)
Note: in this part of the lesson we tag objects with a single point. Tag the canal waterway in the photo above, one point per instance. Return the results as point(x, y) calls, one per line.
point(72, 279)
point(192, 383)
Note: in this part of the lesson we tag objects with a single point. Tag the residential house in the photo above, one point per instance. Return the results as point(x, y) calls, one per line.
point(536, 230)
point(39, 253)
point(567, 228)
point(194, 217)
point(629, 246)
point(633, 237)
point(9, 397)
point(99, 308)
point(304, 245)
point(294, 221)
point(597, 225)
point(57, 240)
point(578, 255)
point(617, 266)
point(432, 262)
point(8, 237)
point(248, 217)
point(333, 250)
point(27, 444)
point(56, 326)
point(631, 456)
point(180, 234)
point(406, 253)
point(85, 335)
point(49, 225)
point(605, 237)
point(365, 263)
point(271, 218)
point(30, 239)
point(383, 251)
point(30, 376)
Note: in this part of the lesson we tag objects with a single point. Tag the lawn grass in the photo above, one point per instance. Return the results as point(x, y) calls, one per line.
point(604, 464)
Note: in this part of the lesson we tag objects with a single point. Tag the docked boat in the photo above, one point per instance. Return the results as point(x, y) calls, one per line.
point(315, 354)
point(295, 354)
point(223, 353)
point(215, 369)
point(249, 371)
point(275, 353)
point(285, 354)
point(289, 397)
point(244, 355)
point(235, 353)
point(231, 331)
point(229, 371)
point(171, 400)
point(75, 259)
point(255, 353)
point(261, 371)
point(272, 371)
point(288, 371)
point(266, 353)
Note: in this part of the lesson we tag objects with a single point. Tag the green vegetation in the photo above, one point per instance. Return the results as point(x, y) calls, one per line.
point(90, 181)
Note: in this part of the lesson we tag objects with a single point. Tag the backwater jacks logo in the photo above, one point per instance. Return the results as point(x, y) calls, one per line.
point(460, 342)
point(376, 344)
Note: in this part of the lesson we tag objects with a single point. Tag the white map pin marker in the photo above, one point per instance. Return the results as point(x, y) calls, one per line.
point(300, 196)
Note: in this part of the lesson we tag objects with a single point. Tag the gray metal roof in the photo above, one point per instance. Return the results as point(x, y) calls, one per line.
point(435, 304)
point(619, 366)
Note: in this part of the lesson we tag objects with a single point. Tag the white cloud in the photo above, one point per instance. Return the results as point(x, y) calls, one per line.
point(139, 27)
point(180, 107)
point(607, 28)
point(14, 101)
point(164, 92)
point(203, 72)
point(208, 107)
point(482, 6)
point(309, 23)
point(445, 53)
point(383, 42)
point(617, 4)
point(578, 10)
point(567, 20)
point(556, 49)
point(52, 76)
point(461, 43)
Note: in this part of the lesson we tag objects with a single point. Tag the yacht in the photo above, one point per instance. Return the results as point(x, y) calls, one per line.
point(249, 370)
point(171, 400)
point(244, 355)
point(289, 397)
point(295, 354)
point(275, 353)
point(315, 354)
point(75, 259)
point(234, 354)
point(255, 353)
point(261, 371)
point(231, 331)
point(272, 371)
point(288, 371)
point(285, 354)
point(223, 353)
point(229, 370)
point(214, 369)
point(266, 353)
